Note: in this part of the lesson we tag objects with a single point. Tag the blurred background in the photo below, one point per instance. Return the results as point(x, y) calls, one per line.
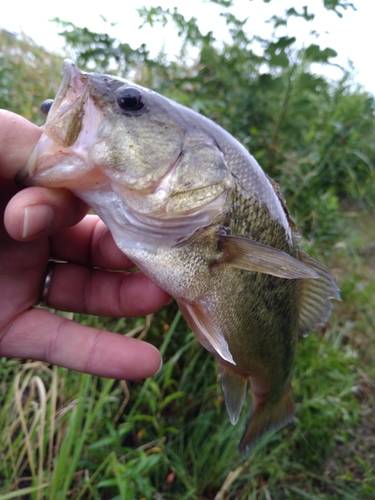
point(295, 85)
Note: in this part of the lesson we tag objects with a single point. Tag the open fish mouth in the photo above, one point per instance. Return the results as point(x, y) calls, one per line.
point(67, 106)
point(60, 153)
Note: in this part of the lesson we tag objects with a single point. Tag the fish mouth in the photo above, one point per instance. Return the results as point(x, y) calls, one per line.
point(64, 120)
point(60, 132)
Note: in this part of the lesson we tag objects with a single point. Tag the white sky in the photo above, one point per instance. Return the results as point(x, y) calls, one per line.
point(353, 36)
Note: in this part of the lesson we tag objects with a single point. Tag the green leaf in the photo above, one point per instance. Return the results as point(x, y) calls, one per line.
point(335, 5)
point(304, 14)
point(314, 53)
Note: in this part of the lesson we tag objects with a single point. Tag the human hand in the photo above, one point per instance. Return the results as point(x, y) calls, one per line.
point(40, 224)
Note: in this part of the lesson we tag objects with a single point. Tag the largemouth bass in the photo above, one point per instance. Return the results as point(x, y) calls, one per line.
point(194, 210)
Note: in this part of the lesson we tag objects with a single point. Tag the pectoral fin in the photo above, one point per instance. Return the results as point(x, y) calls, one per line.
point(316, 295)
point(253, 256)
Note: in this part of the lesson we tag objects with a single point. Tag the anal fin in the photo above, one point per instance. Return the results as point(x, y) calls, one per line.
point(267, 416)
point(234, 387)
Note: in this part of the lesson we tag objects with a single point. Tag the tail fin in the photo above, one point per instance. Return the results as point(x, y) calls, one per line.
point(266, 416)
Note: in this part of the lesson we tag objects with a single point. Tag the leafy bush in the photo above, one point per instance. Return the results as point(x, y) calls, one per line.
point(28, 75)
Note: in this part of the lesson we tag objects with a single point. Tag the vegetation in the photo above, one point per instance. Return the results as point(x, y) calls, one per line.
point(27, 74)
point(68, 435)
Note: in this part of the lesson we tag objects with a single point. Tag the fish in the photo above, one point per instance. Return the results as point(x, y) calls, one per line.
point(192, 208)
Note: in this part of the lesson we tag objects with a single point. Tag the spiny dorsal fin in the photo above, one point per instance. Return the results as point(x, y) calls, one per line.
point(253, 256)
point(282, 201)
point(316, 295)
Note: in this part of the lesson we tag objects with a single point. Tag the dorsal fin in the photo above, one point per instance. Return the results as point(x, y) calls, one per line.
point(282, 201)
point(316, 295)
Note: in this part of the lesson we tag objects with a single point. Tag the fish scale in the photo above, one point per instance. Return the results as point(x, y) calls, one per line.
point(252, 219)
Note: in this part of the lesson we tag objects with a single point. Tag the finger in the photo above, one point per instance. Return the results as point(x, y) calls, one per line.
point(17, 139)
point(91, 244)
point(104, 293)
point(37, 211)
point(44, 336)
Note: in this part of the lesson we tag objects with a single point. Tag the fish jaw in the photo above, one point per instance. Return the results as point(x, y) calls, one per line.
point(64, 122)
point(60, 158)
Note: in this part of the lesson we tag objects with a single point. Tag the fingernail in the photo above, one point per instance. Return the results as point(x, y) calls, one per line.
point(36, 219)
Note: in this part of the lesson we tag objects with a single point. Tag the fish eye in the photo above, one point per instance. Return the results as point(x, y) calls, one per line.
point(130, 99)
point(46, 106)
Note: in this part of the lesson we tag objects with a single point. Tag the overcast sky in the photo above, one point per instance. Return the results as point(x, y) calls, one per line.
point(353, 36)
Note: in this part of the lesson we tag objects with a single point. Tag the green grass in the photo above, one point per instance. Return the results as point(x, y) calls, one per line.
point(68, 435)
